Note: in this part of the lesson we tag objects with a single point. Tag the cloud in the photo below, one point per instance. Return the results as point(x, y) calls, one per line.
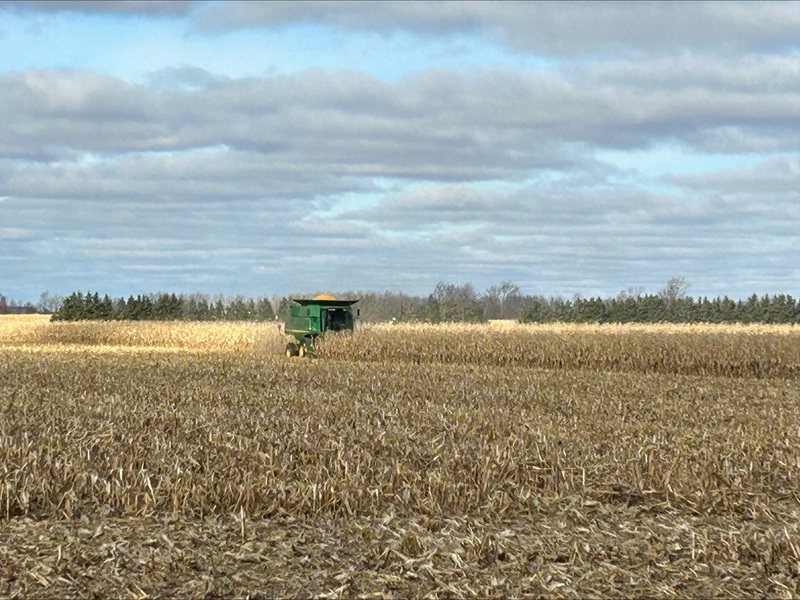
point(434, 206)
point(16, 233)
point(777, 175)
point(546, 28)
point(432, 125)
point(542, 27)
point(144, 8)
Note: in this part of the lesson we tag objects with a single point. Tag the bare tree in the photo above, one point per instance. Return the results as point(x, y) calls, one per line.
point(676, 288)
point(635, 291)
point(506, 296)
point(509, 291)
point(48, 303)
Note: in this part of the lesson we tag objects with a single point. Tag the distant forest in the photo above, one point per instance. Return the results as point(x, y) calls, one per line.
point(447, 303)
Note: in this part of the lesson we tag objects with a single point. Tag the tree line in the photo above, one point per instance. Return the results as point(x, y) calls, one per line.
point(163, 307)
point(446, 303)
point(654, 308)
point(671, 304)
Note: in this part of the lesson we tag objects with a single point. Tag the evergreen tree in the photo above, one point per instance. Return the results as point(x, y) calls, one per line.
point(263, 309)
point(72, 308)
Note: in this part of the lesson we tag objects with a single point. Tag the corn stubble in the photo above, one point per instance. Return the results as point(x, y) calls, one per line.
point(163, 459)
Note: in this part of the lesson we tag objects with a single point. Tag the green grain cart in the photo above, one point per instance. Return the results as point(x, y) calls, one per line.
point(310, 318)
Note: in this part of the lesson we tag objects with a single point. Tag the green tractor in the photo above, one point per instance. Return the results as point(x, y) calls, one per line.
point(311, 318)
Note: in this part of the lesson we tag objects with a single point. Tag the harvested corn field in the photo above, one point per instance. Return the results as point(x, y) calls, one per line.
point(166, 459)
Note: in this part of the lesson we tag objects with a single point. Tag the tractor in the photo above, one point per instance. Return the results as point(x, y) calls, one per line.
point(310, 318)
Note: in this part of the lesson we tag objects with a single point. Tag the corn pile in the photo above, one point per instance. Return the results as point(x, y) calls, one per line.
point(408, 461)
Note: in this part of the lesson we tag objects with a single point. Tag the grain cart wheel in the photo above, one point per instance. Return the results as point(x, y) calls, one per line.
point(301, 350)
point(291, 350)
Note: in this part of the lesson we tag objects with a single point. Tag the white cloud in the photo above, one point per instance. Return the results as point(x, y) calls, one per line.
point(544, 27)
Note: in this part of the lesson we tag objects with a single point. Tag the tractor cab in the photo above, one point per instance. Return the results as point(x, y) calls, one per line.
point(310, 318)
point(337, 319)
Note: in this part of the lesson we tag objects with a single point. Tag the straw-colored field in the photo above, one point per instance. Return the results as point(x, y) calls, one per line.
point(192, 460)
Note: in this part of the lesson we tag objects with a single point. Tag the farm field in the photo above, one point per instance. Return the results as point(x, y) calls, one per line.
point(191, 460)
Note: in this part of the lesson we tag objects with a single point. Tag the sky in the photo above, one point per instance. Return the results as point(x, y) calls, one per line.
point(267, 148)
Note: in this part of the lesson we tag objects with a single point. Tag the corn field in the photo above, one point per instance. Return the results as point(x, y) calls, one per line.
point(196, 460)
